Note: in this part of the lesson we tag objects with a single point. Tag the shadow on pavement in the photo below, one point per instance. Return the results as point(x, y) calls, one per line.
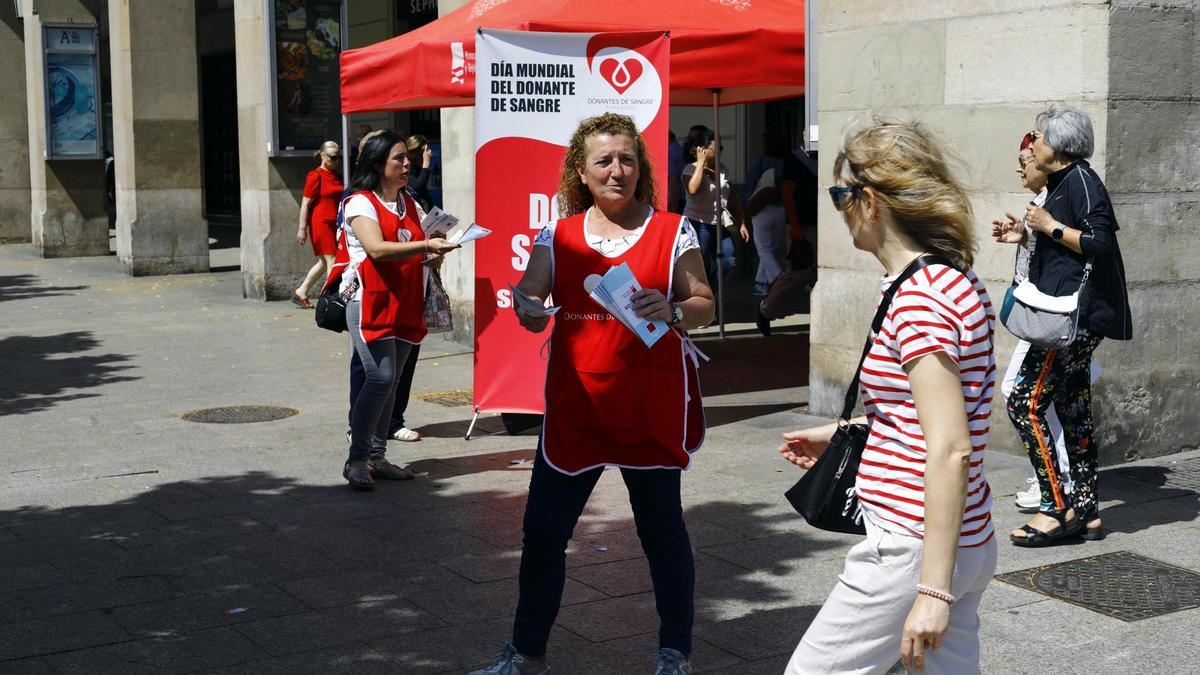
point(259, 572)
point(754, 364)
point(1156, 497)
point(36, 373)
point(29, 286)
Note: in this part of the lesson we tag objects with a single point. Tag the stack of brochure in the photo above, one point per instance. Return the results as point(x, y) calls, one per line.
point(470, 234)
point(438, 223)
point(614, 292)
point(530, 306)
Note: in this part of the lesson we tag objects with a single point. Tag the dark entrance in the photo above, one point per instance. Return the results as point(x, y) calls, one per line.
point(222, 184)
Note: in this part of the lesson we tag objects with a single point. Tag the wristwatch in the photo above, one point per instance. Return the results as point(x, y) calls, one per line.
point(676, 313)
point(1057, 233)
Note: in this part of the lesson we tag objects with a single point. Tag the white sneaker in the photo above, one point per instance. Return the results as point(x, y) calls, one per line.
point(1030, 499)
point(407, 435)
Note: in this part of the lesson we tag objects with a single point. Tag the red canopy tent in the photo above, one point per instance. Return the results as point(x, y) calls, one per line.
point(723, 52)
point(750, 50)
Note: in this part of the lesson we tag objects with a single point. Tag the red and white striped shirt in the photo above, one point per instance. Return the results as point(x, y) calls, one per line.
point(937, 309)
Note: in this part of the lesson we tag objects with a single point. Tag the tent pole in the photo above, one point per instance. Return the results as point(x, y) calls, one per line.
point(346, 150)
point(717, 239)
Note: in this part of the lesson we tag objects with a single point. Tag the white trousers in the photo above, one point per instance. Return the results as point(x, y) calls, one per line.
point(770, 240)
point(859, 628)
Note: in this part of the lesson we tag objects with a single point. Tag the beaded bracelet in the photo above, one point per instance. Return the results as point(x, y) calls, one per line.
point(935, 593)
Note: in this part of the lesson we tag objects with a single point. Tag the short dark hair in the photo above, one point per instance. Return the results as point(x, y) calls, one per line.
point(374, 155)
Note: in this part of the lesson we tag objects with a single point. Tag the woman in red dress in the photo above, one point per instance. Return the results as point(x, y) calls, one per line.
point(318, 217)
point(610, 400)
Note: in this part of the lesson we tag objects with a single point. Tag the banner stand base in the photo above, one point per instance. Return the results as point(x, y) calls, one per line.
point(474, 419)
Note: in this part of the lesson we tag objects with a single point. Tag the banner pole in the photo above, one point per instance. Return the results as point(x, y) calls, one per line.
point(719, 227)
point(346, 150)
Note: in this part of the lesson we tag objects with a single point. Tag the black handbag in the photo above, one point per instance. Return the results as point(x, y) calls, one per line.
point(825, 495)
point(331, 307)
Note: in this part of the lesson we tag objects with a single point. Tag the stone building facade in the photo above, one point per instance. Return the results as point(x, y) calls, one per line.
point(977, 73)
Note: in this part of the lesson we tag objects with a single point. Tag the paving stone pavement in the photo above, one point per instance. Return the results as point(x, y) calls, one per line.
point(134, 541)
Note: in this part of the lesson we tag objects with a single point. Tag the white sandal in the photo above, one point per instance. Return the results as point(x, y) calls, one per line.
point(407, 435)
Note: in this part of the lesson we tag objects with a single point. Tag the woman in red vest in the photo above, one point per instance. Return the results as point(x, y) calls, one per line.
point(318, 217)
point(610, 400)
point(385, 245)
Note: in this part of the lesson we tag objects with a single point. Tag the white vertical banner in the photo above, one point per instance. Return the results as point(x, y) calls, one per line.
point(531, 91)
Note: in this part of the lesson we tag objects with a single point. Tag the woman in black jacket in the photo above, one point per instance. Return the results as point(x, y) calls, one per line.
point(1077, 225)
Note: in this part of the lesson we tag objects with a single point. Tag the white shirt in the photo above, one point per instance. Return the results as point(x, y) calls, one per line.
point(701, 206)
point(612, 248)
point(360, 205)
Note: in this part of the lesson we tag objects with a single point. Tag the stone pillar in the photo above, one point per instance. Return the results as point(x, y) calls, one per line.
point(156, 137)
point(936, 63)
point(66, 196)
point(1146, 399)
point(272, 263)
point(14, 130)
point(458, 195)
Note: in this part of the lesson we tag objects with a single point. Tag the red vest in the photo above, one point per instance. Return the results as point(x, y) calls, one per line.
point(610, 400)
point(393, 292)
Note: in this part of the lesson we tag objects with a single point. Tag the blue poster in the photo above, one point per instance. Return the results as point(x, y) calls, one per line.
point(72, 106)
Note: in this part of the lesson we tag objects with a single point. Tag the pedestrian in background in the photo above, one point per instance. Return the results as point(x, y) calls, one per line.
point(762, 205)
point(1013, 230)
point(1076, 231)
point(912, 588)
point(700, 180)
point(611, 400)
point(385, 315)
point(318, 217)
point(420, 156)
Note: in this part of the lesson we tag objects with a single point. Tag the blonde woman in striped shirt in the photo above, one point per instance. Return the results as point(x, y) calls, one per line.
point(911, 590)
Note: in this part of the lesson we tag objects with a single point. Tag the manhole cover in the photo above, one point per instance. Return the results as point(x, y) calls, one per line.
point(450, 399)
point(1182, 475)
point(239, 414)
point(1122, 585)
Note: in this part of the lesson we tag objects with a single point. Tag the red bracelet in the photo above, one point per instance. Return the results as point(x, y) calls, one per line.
point(945, 597)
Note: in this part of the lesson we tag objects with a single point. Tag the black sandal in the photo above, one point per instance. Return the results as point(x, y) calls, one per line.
point(1091, 534)
point(1035, 538)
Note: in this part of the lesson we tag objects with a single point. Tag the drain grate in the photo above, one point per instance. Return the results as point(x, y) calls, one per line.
point(450, 399)
point(1182, 475)
point(1122, 585)
point(239, 414)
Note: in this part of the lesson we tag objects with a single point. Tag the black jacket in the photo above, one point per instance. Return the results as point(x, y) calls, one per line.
point(1076, 198)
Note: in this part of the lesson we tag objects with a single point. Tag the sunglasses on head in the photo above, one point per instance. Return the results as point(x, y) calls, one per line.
point(841, 195)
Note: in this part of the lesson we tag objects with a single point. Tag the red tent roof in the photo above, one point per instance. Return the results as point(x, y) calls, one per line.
point(753, 50)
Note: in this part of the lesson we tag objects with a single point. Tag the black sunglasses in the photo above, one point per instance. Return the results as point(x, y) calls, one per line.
point(841, 195)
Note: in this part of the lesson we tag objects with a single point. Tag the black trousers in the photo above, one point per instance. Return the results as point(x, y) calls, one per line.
point(555, 502)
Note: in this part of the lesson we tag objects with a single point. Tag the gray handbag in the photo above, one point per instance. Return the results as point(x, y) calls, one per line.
point(1042, 320)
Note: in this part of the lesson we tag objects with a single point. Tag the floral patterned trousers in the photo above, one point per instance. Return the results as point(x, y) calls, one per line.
point(1062, 377)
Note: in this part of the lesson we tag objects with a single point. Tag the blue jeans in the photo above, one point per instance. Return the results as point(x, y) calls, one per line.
point(706, 235)
point(382, 362)
point(403, 387)
point(555, 502)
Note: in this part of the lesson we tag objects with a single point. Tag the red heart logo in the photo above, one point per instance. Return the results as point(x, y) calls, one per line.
point(621, 74)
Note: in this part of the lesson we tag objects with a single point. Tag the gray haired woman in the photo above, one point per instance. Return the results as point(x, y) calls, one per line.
point(1079, 227)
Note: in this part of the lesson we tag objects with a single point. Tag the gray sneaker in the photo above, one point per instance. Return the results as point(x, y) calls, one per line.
point(672, 662)
point(512, 662)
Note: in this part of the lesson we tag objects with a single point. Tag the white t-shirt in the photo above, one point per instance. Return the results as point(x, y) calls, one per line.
point(701, 206)
point(360, 205)
point(611, 248)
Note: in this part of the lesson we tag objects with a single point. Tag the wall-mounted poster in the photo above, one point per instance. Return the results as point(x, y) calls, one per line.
point(306, 40)
point(72, 92)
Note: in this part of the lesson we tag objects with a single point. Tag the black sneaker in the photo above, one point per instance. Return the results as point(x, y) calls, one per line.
point(358, 474)
point(385, 470)
point(763, 323)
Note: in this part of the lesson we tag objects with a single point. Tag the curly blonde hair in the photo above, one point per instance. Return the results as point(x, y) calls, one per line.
point(573, 196)
point(910, 173)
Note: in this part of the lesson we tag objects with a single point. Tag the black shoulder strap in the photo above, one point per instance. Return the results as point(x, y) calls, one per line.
point(881, 313)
